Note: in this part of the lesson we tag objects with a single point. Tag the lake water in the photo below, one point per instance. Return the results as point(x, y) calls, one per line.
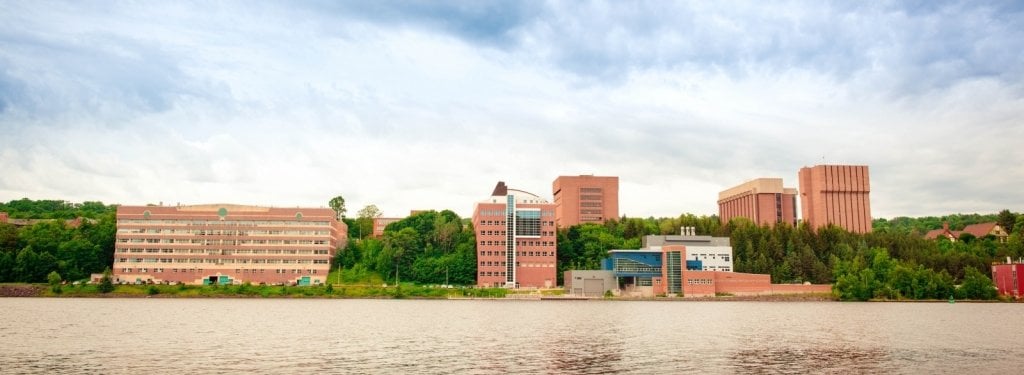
point(185, 336)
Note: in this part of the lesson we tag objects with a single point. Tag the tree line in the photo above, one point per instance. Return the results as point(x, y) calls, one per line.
point(429, 247)
point(31, 253)
point(797, 254)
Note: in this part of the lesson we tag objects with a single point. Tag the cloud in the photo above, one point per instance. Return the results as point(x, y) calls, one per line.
point(427, 105)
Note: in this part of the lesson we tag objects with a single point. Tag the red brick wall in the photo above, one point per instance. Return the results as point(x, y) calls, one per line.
point(836, 194)
point(1002, 276)
point(567, 192)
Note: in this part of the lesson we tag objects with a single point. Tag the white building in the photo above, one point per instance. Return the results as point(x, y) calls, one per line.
point(715, 253)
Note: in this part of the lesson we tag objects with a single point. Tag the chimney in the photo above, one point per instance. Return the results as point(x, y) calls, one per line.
point(945, 226)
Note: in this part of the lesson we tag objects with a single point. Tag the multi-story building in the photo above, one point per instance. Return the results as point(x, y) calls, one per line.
point(515, 234)
point(673, 270)
point(838, 195)
point(764, 201)
point(226, 244)
point(585, 199)
point(709, 253)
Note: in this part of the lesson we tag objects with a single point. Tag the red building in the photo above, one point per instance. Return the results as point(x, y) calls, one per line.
point(837, 195)
point(1006, 278)
point(764, 201)
point(516, 241)
point(226, 244)
point(585, 199)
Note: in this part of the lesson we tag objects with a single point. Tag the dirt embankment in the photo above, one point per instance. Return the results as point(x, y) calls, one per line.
point(14, 290)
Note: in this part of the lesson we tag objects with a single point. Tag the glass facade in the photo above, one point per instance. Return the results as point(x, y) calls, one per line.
point(528, 223)
point(623, 265)
point(510, 240)
point(673, 264)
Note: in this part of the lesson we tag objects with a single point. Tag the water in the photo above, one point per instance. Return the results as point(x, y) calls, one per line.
point(185, 336)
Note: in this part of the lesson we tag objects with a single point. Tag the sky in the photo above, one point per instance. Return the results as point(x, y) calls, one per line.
point(427, 105)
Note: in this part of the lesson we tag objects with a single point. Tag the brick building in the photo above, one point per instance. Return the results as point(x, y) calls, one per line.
point(516, 240)
point(1009, 278)
point(838, 195)
point(226, 244)
point(585, 199)
point(674, 270)
point(763, 201)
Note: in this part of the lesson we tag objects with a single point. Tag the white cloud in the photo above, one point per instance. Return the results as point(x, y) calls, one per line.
point(427, 107)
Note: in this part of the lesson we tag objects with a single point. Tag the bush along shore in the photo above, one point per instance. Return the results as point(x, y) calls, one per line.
point(249, 290)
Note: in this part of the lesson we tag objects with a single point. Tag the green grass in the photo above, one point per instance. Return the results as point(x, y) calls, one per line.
point(406, 290)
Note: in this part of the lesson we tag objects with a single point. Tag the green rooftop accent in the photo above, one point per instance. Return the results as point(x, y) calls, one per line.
point(222, 212)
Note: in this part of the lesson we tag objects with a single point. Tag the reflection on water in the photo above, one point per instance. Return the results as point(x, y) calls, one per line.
point(120, 336)
point(803, 360)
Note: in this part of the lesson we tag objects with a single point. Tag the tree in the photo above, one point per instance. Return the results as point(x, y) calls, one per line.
point(975, 285)
point(338, 205)
point(370, 211)
point(107, 281)
point(7, 266)
point(54, 280)
point(8, 237)
point(363, 225)
point(1007, 220)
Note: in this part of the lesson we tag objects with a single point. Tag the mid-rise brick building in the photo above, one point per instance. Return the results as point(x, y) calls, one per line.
point(763, 201)
point(838, 195)
point(516, 240)
point(226, 244)
point(585, 199)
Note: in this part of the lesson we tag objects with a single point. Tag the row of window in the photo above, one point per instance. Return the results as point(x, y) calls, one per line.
point(502, 213)
point(222, 223)
point(519, 253)
point(502, 222)
point(221, 251)
point(518, 243)
point(222, 261)
point(492, 273)
point(200, 270)
point(724, 257)
point(220, 232)
point(699, 281)
point(518, 264)
point(222, 242)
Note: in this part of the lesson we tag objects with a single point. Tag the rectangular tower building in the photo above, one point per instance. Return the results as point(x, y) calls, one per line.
point(838, 195)
point(764, 201)
point(585, 199)
point(226, 244)
point(516, 241)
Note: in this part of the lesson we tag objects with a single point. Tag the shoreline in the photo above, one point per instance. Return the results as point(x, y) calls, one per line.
point(345, 291)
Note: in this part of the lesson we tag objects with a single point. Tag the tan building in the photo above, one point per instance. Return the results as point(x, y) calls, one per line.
point(763, 201)
point(838, 195)
point(585, 199)
point(226, 244)
point(516, 240)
